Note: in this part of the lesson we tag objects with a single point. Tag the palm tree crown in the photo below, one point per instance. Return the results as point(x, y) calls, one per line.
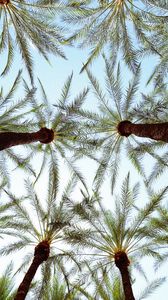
point(120, 119)
point(63, 120)
point(60, 137)
point(114, 23)
point(116, 237)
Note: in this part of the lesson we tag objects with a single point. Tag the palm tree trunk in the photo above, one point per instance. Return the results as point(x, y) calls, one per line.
point(157, 131)
point(2, 2)
point(41, 254)
point(25, 284)
point(122, 262)
point(10, 139)
point(126, 283)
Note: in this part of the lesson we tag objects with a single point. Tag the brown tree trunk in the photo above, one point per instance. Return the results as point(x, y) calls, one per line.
point(122, 263)
point(25, 284)
point(41, 254)
point(157, 131)
point(4, 2)
point(126, 283)
point(10, 139)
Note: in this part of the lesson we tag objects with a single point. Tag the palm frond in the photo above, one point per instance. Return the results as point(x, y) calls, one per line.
point(150, 289)
point(35, 20)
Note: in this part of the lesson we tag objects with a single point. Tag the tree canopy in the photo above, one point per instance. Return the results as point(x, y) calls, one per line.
point(83, 171)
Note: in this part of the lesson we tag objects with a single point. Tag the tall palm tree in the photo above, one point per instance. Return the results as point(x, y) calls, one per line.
point(123, 119)
point(115, 236)
point(24, 22)
point(41, 226)
point(125, 26)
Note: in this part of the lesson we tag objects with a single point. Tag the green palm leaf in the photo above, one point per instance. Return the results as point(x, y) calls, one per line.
point(23, 22)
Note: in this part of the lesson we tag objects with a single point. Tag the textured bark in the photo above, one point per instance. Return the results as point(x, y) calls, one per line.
point(4, 2)
point(10, 139)
point(122, 262)
point(25, 285)
point(41, 254)
point(157, 131)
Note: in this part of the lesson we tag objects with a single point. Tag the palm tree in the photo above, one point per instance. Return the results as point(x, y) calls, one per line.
point(115, 237)
point(41, 226)
point(63, 135)
point(123, 119)
point(24, 22)
point(120, 24)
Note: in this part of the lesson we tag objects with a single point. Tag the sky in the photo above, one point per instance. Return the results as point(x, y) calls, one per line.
point(53, 77)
